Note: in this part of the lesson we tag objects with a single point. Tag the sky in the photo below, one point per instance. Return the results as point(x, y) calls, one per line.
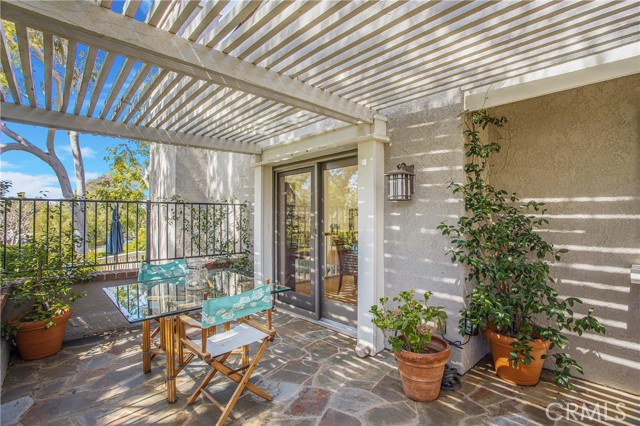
point(34, 177)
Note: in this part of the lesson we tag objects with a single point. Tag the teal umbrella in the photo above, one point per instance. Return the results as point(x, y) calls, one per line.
point(115, 239)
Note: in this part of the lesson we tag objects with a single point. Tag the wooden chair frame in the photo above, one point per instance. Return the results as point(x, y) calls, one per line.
point(188, 350)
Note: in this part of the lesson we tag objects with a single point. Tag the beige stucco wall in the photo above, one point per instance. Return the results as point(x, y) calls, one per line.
point(196, 175)
point(427, 134)
point(200, 175)
point(579, 151)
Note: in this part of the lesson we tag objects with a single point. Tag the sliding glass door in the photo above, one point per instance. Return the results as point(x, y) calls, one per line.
point(296, 237)
point(317, 239)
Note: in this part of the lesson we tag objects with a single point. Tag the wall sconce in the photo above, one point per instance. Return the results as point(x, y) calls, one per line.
point(400, 183)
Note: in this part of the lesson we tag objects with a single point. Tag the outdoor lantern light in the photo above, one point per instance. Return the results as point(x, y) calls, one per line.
point(400, 183)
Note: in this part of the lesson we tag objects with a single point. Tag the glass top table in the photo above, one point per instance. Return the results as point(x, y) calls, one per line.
point(159, 298)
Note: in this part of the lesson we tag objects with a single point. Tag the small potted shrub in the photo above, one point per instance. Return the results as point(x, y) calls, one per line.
point(421, 357)
point(513, 300)
point(43, 293)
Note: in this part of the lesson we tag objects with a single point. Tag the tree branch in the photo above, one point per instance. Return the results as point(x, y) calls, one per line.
point(20, 140)
point(22, 144)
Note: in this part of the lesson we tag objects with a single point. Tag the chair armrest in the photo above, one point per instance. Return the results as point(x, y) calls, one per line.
point(189, 321)
point(195, 349)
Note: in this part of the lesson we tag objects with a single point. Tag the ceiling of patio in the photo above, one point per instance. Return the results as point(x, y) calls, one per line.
point(233, 75)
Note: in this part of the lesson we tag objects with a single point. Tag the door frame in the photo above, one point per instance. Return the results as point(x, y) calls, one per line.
point(369, 139)
point(292, 300)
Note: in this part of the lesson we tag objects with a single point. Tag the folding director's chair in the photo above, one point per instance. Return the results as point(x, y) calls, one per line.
point(214, 348)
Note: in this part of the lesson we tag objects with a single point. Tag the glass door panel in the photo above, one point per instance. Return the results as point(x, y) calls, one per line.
point(295, 253)
point(340, 242)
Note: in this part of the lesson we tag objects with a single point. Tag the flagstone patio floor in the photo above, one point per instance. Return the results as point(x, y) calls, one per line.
point(314, 375)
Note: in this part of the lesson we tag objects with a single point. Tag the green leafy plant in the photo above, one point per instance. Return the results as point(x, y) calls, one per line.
point(44, 284)
point(506, 259)
point(408, 321)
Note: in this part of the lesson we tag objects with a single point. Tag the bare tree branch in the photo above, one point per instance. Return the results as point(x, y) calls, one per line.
point(22, 144)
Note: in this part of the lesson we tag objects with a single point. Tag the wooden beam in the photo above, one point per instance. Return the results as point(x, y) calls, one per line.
point(209, 13)
point(25, 60)
point(47, 46)
point(254, 23)
point(157, 11)
point(8, 70)
point(115, 89)
point(165, 90)
point(98, 27)
point(130, 8)
point(97, 89)
point(86, 78)
point(230, 21)
point(176, 19)
point(275, 28)
point(63, 121)
point(143, 72)
point(171, 98)
point(68, 74)
point(148, 90)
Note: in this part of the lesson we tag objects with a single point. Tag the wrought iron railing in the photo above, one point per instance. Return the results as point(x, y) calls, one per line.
point(150, 230)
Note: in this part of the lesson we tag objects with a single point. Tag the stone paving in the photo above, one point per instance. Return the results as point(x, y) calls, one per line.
point(313, 373)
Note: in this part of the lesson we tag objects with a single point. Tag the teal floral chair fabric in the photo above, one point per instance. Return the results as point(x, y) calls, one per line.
point(225, 309)
point(149, 272)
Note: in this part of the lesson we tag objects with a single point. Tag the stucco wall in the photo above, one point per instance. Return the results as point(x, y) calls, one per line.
point(579, 151)
point(200, 175)
point(427, 134)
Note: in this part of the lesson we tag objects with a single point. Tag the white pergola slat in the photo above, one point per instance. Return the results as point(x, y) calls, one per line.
point(86, 77)
point(148, 91)
point(241, 10)
point(102, 78)
point(157, 12)
point(209, 13)
point(117, 85)
point(251, 72)
point(25, 60)
point(7, 68)
point(47, 46)
point(68, 74)
point(142, 74)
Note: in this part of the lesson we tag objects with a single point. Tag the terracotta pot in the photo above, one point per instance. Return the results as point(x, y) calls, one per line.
point(36, 342)
point(421, 374)
point(526, 375)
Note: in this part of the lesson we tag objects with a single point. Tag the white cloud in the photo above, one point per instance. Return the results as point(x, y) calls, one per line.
point(5, 165)
point(31, 185)
point(87, 152)
point(91, 175)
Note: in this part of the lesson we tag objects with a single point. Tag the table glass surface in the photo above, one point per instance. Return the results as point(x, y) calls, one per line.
point(157, 298)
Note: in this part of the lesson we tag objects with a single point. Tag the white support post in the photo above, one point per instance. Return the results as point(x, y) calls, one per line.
point(370, 239)
point(263, 222)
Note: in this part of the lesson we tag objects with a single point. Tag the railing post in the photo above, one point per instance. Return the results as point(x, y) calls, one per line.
point(148, 248)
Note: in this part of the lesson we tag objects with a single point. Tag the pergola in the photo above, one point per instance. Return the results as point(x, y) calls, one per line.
point(241, 76)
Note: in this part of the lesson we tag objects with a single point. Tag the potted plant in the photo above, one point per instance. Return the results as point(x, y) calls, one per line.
point(421, 357)
point(513, 300)
point(43, 293)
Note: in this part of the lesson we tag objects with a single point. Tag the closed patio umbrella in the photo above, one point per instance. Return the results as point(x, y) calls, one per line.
point(115, 239)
